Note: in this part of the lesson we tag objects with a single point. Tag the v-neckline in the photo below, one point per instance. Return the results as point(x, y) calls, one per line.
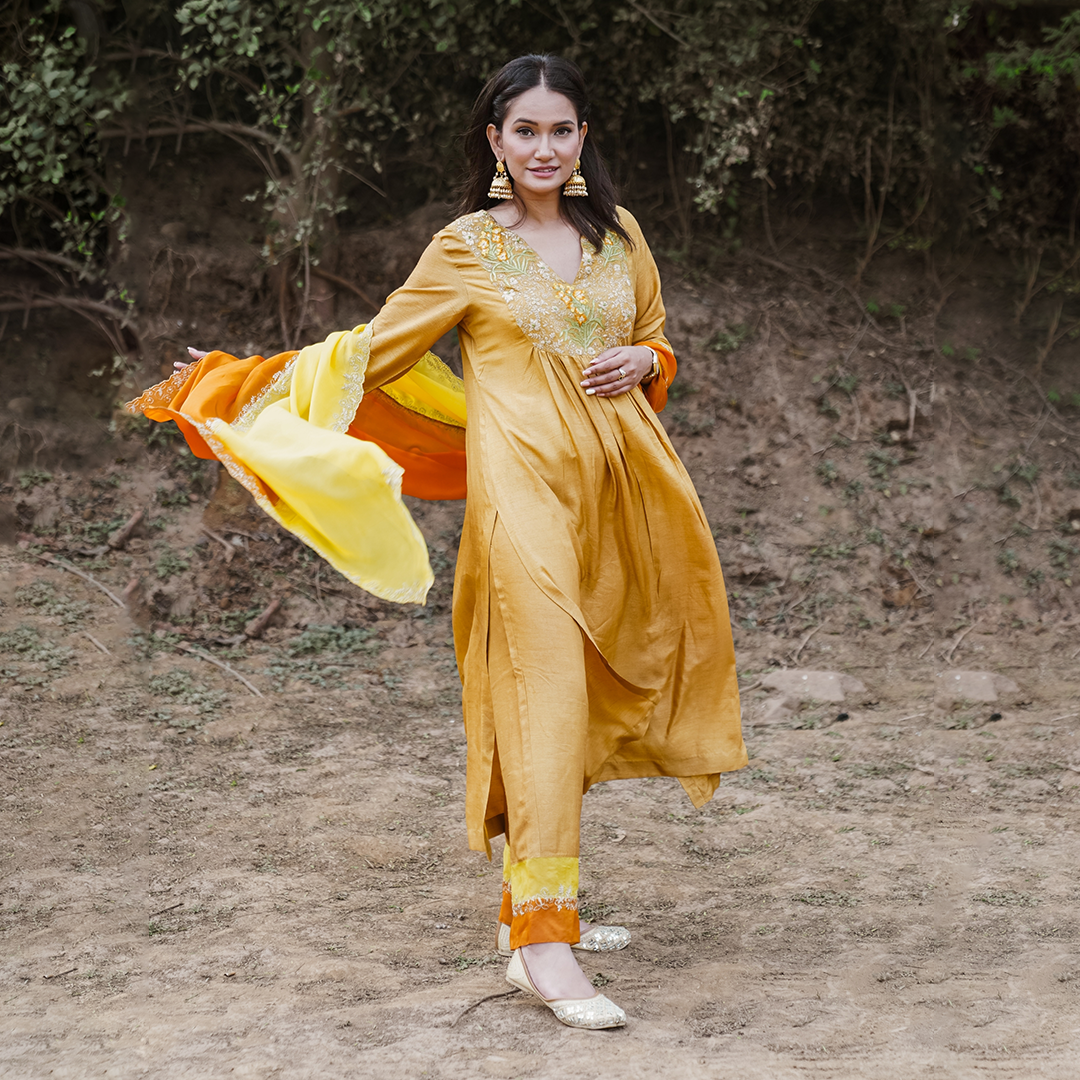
point(536, 255)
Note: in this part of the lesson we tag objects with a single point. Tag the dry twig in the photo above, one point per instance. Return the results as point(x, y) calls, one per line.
point(123, 534)
point(948, 654)
point(803, 643)
point(97, 643)
point(217, 663)
point(491, 997)
point(86, 577)
point(789, 609)
point(923, 587)
point(257, 625)
point(165, 910)
point(230, 551)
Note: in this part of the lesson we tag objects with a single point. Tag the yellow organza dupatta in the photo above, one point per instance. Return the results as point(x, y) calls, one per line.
point(297, 432)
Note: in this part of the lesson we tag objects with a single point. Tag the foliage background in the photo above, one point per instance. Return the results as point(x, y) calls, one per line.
point(935, 125)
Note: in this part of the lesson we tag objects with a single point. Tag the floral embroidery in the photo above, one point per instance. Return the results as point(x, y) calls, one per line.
point(581, 318)
point(548, 883)
point(563, 901)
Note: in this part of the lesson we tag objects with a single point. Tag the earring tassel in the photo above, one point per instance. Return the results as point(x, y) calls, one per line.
point(575, 187)
point(501, 187)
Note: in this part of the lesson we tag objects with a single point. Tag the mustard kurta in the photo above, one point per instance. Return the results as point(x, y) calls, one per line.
point(584, 501)
point(590, 617)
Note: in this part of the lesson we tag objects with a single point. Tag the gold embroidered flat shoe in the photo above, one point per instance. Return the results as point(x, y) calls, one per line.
point(595, 939)
point(593, 1013)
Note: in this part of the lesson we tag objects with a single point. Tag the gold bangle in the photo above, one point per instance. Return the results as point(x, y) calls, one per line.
point(655, 366)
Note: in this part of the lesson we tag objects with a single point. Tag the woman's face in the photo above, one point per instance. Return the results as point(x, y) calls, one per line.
point(540, 141)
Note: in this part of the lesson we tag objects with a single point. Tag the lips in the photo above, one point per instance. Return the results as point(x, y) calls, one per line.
point(544, 170)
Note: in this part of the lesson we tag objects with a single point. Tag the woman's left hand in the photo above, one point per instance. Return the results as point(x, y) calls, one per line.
point(195, 354)
point(617, 371)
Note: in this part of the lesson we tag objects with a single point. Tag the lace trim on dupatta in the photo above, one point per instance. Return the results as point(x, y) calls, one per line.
point(276, 389)
point(432, 368)
point(339, 382)
point(163, 392)
point(243, 476)
point(352, 388)
point(414, 593)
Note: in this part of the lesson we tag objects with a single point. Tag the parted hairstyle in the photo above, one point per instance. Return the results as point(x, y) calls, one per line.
point(592, 215)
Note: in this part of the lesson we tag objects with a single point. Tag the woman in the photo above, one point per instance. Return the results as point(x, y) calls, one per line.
point(590, 619)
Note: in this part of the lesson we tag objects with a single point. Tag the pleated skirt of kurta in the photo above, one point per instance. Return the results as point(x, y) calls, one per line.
point(590, 616)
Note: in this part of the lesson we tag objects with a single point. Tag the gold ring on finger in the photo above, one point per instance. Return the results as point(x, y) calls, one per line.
point(622, 373)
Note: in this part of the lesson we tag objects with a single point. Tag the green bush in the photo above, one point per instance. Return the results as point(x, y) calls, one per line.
point(942, 121)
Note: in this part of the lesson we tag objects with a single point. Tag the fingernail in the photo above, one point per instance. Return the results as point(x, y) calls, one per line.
point(590, 391)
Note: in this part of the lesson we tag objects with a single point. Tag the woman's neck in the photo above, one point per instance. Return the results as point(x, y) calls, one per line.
point(541, 212)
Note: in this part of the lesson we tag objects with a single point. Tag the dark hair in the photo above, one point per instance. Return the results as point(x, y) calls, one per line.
point(593, 215)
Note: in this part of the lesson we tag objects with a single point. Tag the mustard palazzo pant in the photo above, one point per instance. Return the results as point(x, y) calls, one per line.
point(540, 709)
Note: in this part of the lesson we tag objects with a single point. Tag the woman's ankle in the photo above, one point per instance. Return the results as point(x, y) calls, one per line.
point(554, 971)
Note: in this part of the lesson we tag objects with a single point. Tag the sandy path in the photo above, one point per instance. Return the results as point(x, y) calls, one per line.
point(287, 893)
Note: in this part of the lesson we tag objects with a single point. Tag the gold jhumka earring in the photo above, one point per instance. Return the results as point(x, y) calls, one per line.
point(576, 187)
point(500, 184)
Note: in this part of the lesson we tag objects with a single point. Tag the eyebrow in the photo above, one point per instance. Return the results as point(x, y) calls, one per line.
point(535, 123)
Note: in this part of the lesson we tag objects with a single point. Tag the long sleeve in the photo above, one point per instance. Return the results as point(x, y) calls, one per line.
point(432, 301)
point(651, 315)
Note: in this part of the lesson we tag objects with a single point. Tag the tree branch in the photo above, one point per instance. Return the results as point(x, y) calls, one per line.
point(40, 256)
point(658, 24)
point(195, 127)
point(71, 302)
point(92, 310)
point(318, 271)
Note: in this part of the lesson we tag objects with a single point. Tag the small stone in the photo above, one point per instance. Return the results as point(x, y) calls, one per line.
point(175, 231)
point(831, 686)
point(980, 686)
point(775, 710)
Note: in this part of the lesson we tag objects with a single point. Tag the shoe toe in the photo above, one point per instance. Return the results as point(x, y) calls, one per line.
point(604, 939)
point(596, 1012)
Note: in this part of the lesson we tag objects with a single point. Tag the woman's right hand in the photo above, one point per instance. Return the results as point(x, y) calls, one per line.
point(196, 354)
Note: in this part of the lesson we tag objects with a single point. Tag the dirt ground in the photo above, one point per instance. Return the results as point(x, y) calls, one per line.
point(202, 882)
